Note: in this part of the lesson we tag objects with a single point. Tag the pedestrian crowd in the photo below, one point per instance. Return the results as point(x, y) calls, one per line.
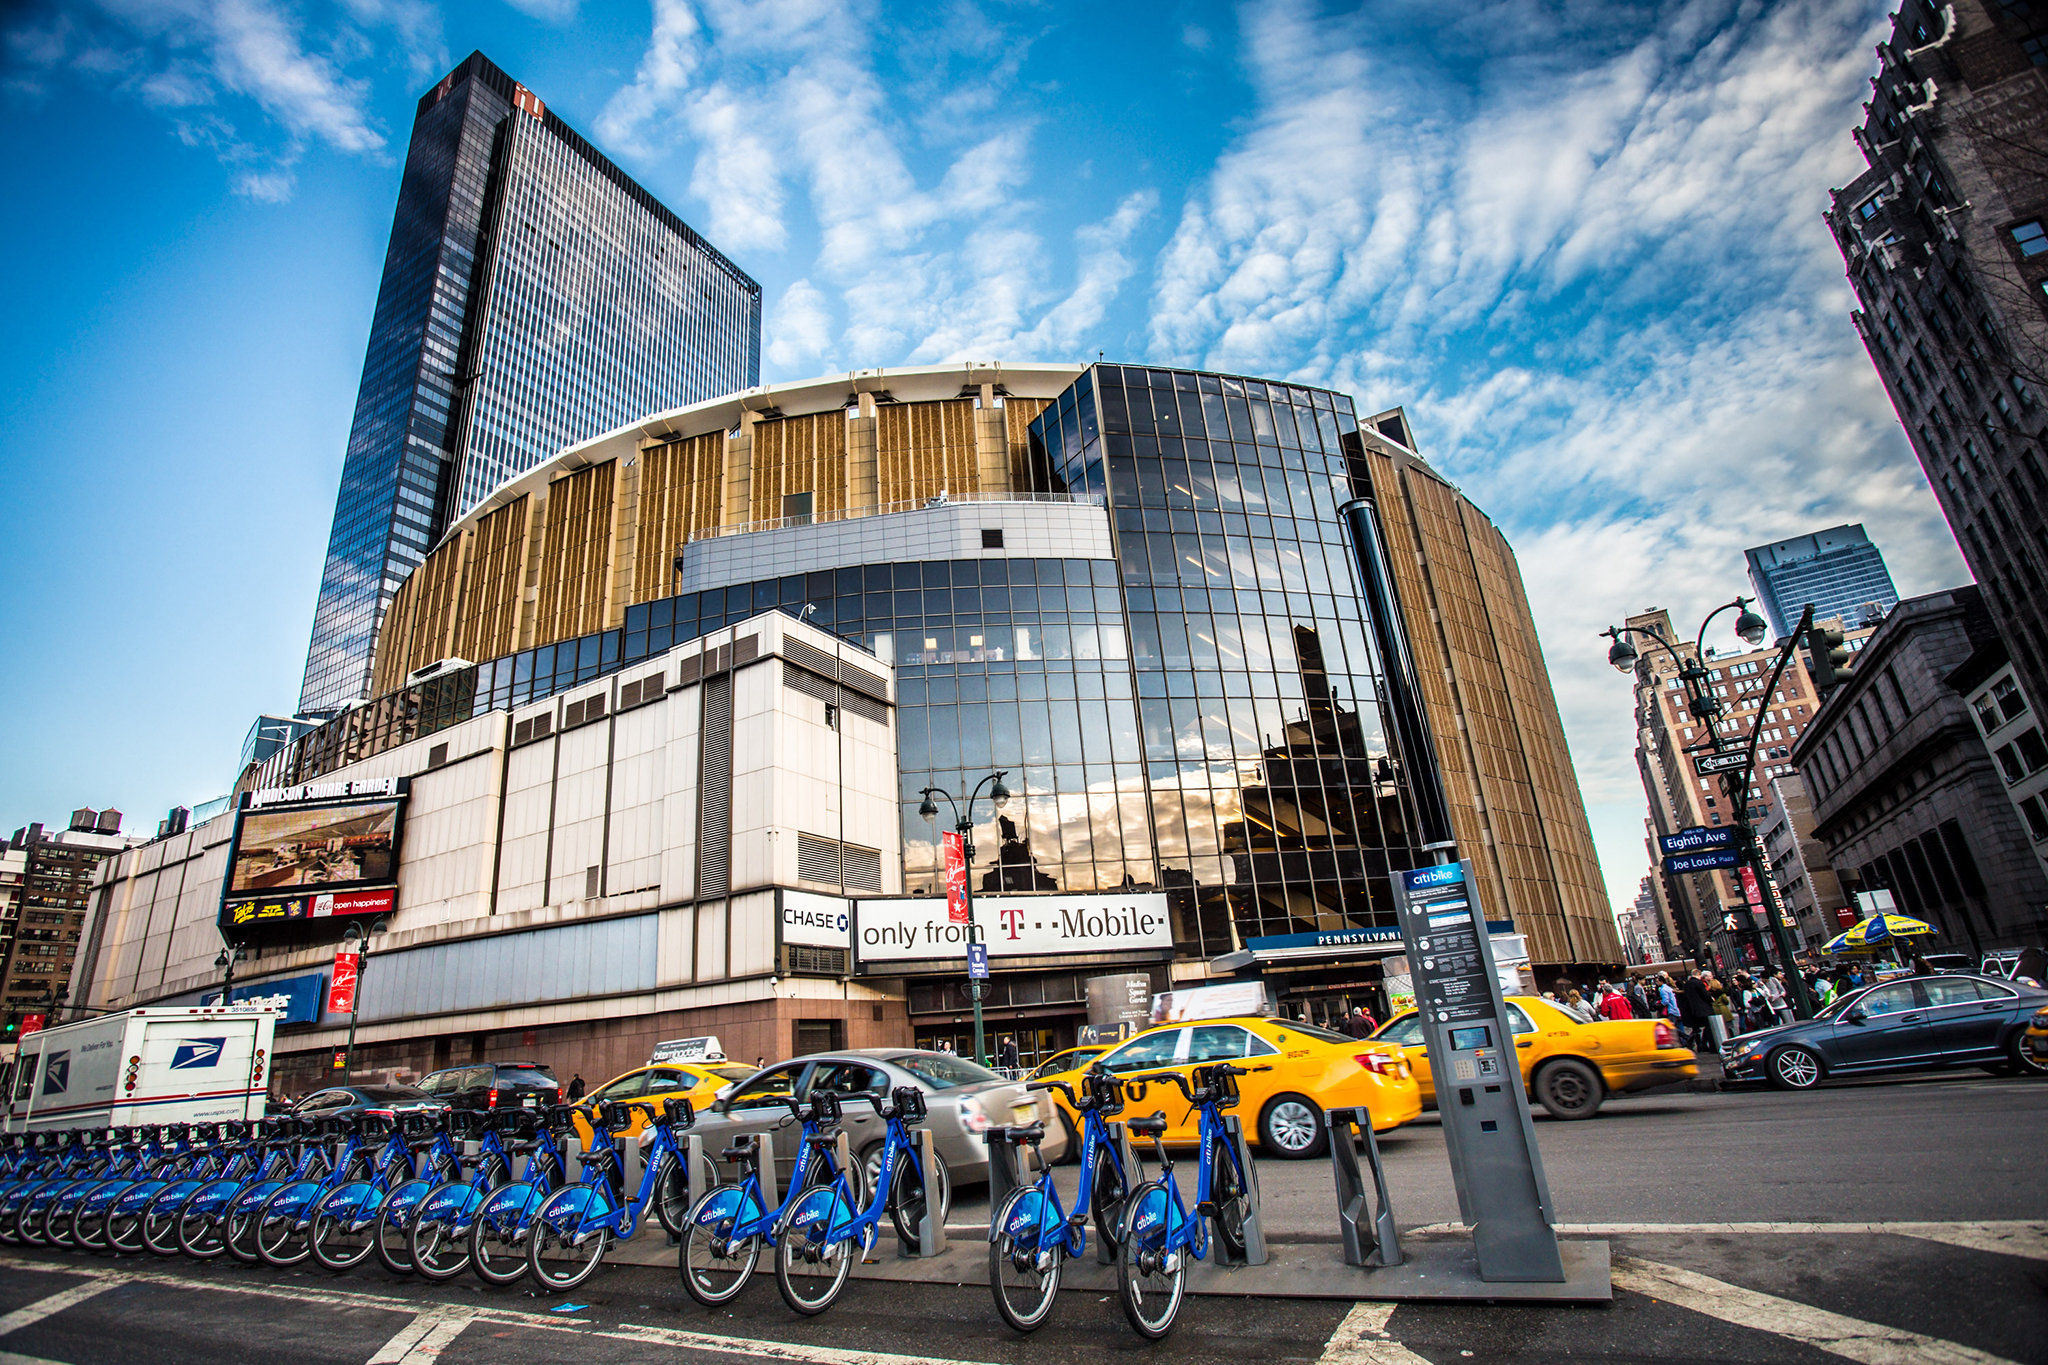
point(1691, 1004)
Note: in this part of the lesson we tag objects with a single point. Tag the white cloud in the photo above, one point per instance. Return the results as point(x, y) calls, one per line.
point(547, 11)
point(1590, 263)
point(663, 74)
point(797, 332)
point(256, 51)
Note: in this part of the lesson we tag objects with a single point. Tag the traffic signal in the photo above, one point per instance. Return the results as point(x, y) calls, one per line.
point(8, 1030)
point(1830, 657)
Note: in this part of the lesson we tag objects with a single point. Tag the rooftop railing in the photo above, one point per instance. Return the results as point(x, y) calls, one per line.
point(885, 509)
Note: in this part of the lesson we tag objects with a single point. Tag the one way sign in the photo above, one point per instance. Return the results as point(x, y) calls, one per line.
point(1708, 764)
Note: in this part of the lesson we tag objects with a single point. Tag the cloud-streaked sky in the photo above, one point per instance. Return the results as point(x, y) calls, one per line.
point(1581, 242)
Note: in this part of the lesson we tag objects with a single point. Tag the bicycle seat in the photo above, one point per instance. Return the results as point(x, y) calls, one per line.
point(1150, 1126)
point(1025, 1134)
point(742, 1148)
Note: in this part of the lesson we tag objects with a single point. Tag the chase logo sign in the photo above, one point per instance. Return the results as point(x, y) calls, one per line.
point(195, 1053)
point(57, 1072)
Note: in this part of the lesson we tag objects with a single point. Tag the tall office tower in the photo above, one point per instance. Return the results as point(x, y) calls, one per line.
point(1946, 239)
point(533, 296)
point(1838, 570)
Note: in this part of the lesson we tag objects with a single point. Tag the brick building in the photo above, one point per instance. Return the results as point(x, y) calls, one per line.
point(42, 932)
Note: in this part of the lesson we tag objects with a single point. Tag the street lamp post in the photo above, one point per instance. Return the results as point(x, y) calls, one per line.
point(355, 935)
point(963, 824)
point(231, 952)
point(1706, 708)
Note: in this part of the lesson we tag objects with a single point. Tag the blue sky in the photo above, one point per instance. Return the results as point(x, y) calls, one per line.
point(1580, 242)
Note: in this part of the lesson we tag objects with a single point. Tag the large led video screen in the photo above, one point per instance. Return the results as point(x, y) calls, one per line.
point(312, 848)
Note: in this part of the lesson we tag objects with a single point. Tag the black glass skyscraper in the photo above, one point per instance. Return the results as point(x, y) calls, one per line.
point(533, 296)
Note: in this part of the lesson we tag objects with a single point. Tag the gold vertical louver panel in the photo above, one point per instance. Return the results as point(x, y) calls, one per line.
point(800, 455)
point(681, 486)
point(574, 563)
point(488, 617)
point(923, 449)
point(416, 623)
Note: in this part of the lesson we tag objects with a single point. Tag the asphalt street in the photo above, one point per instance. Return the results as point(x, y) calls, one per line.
point(1886, 1223)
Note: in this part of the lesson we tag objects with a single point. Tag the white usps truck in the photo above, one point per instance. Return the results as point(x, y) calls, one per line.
point(180, 1064)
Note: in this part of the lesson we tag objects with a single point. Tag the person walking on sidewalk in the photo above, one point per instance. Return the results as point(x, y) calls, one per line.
point(1694, 1006)
point(1774, 995)
point(1614, 1005)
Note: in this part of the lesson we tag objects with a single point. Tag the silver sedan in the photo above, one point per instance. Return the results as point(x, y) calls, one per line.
point(963, 1102)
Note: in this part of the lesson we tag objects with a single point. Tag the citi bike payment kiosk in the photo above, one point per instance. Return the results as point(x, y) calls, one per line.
point(1502, 1193)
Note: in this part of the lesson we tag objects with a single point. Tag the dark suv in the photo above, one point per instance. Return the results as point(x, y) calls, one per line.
point(494, 1085)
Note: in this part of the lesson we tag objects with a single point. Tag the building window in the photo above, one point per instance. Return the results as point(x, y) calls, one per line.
point(2037, 818)
point(1867, 210)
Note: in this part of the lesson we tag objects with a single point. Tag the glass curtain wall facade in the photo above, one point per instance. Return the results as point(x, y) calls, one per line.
point(1205, 714)
point(533, 296)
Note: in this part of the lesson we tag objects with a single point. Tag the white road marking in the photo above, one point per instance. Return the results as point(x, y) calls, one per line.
point(10, 1358)
point(425, 1337)
point(57, 1302)
point(1361, 1339)
point(1868, 1342)
point(2010, 1237)
point(343, 1298)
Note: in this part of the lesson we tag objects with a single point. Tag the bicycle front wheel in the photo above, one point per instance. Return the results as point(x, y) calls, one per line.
point(1023, 1268)
point(568, 1240)
point(907, 1196)
point(1151, 1277)
point(282, 1227)
point(341, 1231)
point(714, 1267)
point(497, 1234)
point(811, 1264)
point(1233, 1203)
point(440, 1247)
point(671, 1196)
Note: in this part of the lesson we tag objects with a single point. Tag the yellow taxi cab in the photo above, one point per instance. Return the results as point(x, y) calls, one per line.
point(2034, 1042)
point(1569, 1066)
point(1073, 1059)
point(696, 1081)
point(1311, 1070)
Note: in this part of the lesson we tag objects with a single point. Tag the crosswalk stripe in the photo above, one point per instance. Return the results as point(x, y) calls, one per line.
point(1867, 1342)
point(55, 1303)
point(2004, 1236)
point(1361, 1339)
point(425, 1337)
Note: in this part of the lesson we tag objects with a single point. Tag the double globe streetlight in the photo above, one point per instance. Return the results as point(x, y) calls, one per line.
point(963, 825)
point(1706, 708)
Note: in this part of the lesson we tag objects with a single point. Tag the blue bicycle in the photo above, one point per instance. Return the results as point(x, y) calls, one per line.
point(814, 1245)
point(1030, 1236)
point(497, 1234)
point(96, 1154)
point(344, 1218)
point(439, 1162)
point(243, 1219)
point(131, 1153)
point(159, 1149)
point(203, 1214)
point(575, 1226)
point(284, 1225)
point(233, 1158)
point(439, 1233)
point(192, 1148)
point(727, 1228)
point(1160, 1237)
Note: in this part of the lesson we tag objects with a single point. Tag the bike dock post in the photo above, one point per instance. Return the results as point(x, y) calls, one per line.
point(1003, 1174)
point(694, 1182)
point(1254, 1228)
point(931, 1228)
point(1383, 1247)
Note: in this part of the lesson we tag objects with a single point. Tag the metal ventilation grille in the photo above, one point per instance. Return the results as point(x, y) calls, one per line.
point(649, 688)
point(811, 657)
point(539, 727)
point(817, 961)
point(714, 787)
point(817, 860)
point(831, 863)
point(810, 684)
point(860, 680)
point(865, 707)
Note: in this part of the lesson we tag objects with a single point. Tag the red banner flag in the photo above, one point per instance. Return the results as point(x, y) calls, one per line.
point(956, 877)
point(341, 991)
point(1751, 892)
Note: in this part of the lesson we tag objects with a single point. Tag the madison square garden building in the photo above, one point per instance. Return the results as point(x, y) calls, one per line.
point(661, 711)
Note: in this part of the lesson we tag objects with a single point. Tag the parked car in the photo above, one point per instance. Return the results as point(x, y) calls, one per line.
point(344, 1101)
point(1312, 1070)
point(2035, 1040)
point(1569, 1066)
point(963, 1101)
point(1907, 1025)
point(493, 1085)
point(699, 1082)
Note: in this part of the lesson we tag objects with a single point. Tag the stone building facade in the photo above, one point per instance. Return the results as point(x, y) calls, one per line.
point(1906, 794)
